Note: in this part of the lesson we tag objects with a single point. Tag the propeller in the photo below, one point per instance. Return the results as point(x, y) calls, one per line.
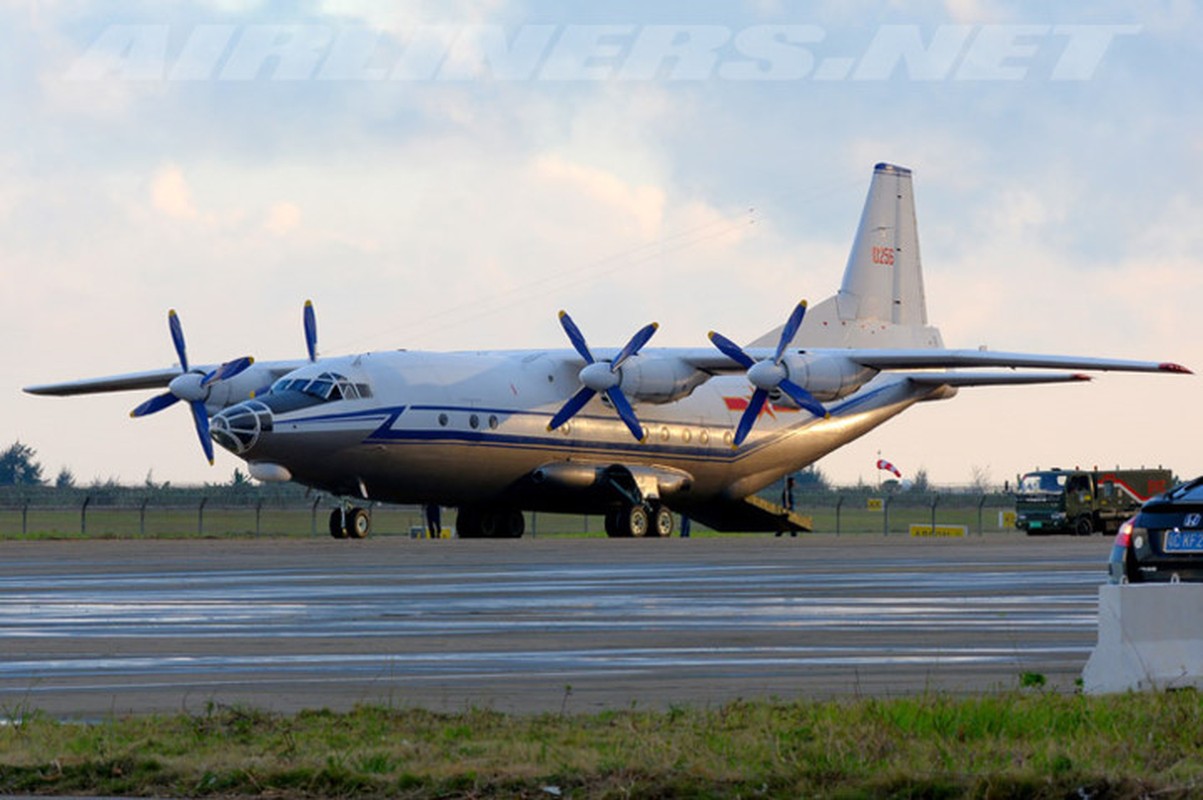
point(310, 318)
point(600, 376)
point(191, 386)
point(769, 375)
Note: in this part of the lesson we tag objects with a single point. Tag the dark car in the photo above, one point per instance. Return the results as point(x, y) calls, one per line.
point(1164, 541)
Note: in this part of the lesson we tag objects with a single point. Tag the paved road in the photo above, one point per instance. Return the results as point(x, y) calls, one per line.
point(89, 629)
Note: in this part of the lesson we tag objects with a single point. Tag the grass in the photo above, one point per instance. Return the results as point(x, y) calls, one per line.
point(1022, 744)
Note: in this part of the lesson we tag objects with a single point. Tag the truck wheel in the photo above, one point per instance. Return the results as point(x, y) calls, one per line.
point(1083, 526)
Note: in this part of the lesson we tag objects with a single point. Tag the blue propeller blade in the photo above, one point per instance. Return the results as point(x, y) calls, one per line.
point(574, 404)
point(227, 370)
point(750, 416)
point(310, 320)
point(731, 350)
point(804, 398)
point(201, 418)
point(617, 399)
point(575, 336)
point(177, 338)
point(625, 412)
point(635, 345)
point(156, 403)
point(790, 330)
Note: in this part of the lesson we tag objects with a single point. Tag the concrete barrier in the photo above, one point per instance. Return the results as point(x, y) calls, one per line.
point(1150, 637)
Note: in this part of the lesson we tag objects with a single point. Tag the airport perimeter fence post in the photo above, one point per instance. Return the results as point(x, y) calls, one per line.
point(24, 518)
point(981, 530)
point(935, 500)
point(839, 501)
point(258, 515)
point(83, 516)
point(200, 517)
point(885, 515)
point(142, 516)
point(313, 517)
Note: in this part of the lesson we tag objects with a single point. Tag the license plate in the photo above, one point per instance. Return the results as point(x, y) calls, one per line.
point(1183, 542)
point(1035, 525)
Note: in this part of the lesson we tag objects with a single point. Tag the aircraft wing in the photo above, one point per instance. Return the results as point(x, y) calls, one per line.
point(993, 378)
point(153, 379)
point(714, 362)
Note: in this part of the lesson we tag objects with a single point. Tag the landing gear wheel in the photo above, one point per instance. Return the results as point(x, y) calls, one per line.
point(512, 524)
point(359, 523)
point(467, 524)
point(1083, 526)
point(662, 522)
point(614, 524)
point(638, 521)
point(337, 529)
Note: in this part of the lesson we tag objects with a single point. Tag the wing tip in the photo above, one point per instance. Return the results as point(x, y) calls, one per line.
point(1169, 366)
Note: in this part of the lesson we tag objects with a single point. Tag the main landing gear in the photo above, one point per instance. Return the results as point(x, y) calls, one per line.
point(350, 523)
point(639, 520)
point(490, 523)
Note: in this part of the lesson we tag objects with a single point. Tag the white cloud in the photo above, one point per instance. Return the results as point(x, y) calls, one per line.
point(170, 194)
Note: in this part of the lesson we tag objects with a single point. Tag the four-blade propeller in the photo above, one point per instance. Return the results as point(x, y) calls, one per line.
point(769, 375)
point(602, 377)
point(191, 386)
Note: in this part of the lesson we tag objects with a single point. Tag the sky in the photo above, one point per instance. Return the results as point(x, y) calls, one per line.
point(448, 175)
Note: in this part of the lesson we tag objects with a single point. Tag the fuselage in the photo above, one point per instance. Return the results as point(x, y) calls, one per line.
point(471, 428)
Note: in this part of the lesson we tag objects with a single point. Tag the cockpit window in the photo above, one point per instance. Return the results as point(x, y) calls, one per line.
point(324, 388)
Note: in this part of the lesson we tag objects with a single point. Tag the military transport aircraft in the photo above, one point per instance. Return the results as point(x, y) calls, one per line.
point(631, 433)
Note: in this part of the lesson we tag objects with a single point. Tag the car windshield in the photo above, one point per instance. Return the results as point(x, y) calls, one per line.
point(1042, 483)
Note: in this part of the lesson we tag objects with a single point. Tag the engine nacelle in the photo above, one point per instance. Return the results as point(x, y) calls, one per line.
point(658, 379)
point(827, 377)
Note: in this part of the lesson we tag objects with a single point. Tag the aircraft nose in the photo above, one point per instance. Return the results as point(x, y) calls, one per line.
point(239, 427)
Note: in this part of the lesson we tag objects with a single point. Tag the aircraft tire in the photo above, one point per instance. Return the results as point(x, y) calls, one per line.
point(359, 523)
point(467, 524)
point(511, 524)
point(638, 520)
point(662, 522)
point(614, 527)
point(336, 524)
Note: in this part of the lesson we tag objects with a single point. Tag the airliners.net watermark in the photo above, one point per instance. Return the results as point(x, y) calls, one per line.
point(538, 52)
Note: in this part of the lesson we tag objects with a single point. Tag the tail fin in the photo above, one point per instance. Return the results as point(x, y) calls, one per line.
point(881, 302)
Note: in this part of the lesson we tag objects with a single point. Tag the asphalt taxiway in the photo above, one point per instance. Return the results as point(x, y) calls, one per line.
point(89, 629)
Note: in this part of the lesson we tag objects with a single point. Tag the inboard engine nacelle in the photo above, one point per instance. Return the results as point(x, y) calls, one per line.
point(827, 377)
point(657, 379)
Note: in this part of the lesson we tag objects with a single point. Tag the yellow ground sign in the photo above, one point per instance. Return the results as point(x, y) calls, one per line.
point(875, 504)
point(942, 531)
point(1006, 520)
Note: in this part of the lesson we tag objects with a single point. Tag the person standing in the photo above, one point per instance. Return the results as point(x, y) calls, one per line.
point(787, 501)
point(434, 523)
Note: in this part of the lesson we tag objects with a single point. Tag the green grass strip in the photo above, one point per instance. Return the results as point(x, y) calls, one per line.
point(1017, 745)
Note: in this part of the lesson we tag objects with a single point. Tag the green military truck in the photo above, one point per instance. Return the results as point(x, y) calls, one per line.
point(1084, 501)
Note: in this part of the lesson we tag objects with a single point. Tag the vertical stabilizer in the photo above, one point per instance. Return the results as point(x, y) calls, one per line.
point(884, 276)
point(881, 302)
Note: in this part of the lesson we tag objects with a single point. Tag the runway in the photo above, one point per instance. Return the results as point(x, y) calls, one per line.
point(90, 629)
